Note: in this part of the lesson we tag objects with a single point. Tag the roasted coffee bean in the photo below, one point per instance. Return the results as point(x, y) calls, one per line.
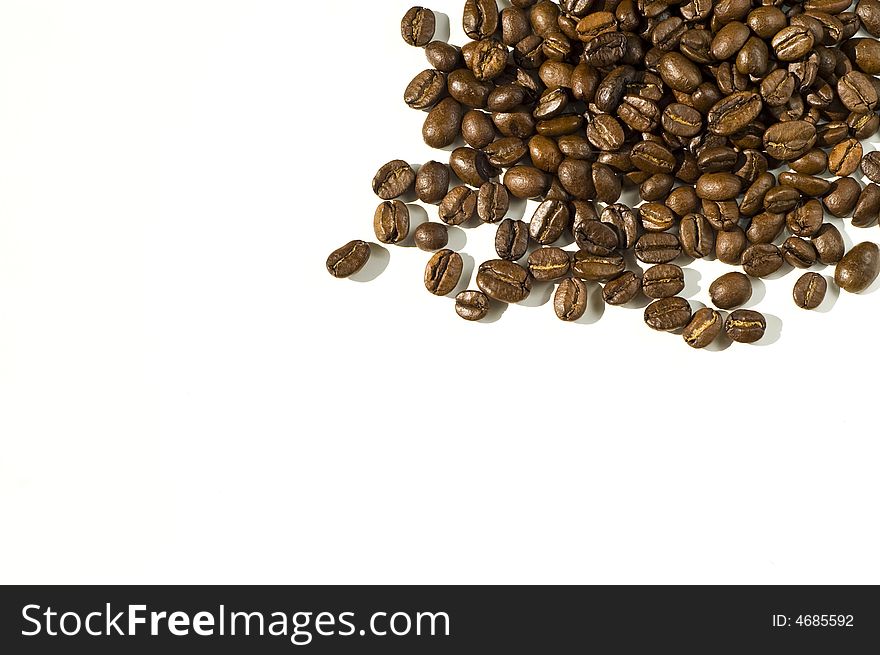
point(729, 246)
point(716, 159)
point(806, 220)
point(656, 217)
point(480, 19)
point(668, 314)
point(459, 206)
point(551, 104)
point(471, 166)
point(798, 252)
point(576, 177)
point(718, 186)
point(545, 154)
point(526, 182)
point(871, 166)
point(464, 87)
point(417, 26)
point(766, 227)
point(393, 180)
point(868, 207)
point(504, 281)
point(863, 126)
point(679, 72)
point(843, 197)
point(857, 92)
point(766, 21)
point(477, 129)
point(789, 140)
point(391, 222)
point(656, 188)
point(663, 281)
point(549, 221)
point(492, 202)
point(515, 25)
point(606, 182)
point(762, 259)
point(442, 56)
point(781, 199)
point(443, 123)
point(506, 97)
point(722, 215)
point(443, 272)
point(658, 248)
point(859, 268)
point(512, 239)
point(792, 43)
point(472, 305)
point(734, 113)
point(864, 54)
point(869, 13)
point(486, 59)
point(605, 132)
point(639, 114)
point(809, 291)
point(830, 134)
point(653, 158)
point(349, 259)
point(506, 152)
point(683, 201)
point(546, 264)
point(745, 326)
point(731, 290)
point(622, 289)
point(808, 185)
point(570, 300)
point(596, 267)
point(596, 237)
point(681, 120)
point(703, 329)
point(845, 157)
point(697, 236)
point(605, 50)
point(575, 146)
point(432, 182)
point(431, 236)
point(426, 89)
point(753, 198)
point(829, 244)
point(814, 162)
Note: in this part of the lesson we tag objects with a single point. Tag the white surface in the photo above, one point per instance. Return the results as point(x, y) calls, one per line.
point(187, 396)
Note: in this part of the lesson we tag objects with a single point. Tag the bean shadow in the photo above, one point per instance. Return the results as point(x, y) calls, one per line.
point(540, 295)
point(773, 332)
point(784, 270)
point(442, 28)
point(759, 292)
point(457, 238)
point(517, 209)
point(467, 272)
point(375, 266)
point(417, 216)
point(595, 305)
point(496, 311)
point(831, 297)
point(692, 279)
point(871, 289)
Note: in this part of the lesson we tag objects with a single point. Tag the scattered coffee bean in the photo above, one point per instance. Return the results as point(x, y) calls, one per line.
point(512, 239)
point(391, 222)
point(622, 289)
point(431, 236)
point(443, 272)
point(504, 281)
point(668, 314)
point(393, 180)
point(547, 264)
point(349, 259)
point(704, 328)
point(570, 300)
point(745, 326)
point(663, 281)
point(762, 260)
point(809, 291)
point(432, 182)
point(417, 26)
point(472, 305)
point(859, 268)
point(731, 290)
point(829, 244)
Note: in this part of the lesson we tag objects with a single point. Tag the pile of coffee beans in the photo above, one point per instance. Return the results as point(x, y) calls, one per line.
point(739, 122)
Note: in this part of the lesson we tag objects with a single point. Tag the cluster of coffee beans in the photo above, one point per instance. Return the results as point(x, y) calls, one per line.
point(694, 102)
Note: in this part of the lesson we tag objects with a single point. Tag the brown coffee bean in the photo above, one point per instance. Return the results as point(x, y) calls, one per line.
point(722, 215)
point(845, 157)
point(745, 326)
point(766, 227)
point(781, 199)
point(393, 180)
point(683, 201)
point(789, 140)
point(798, 252)
point(857, 92)
point(391, 222)
point(596, 237)
point(697, 236)
point(512, 239)
point(526, 182)
point(663, 281)
point(729, 246)
point(443, 123)
point(656, 217)
point(859, 268)
point(734, 113)
point(808, 185)
point(809, 291)
point(703, 329)
point(829, 244)
point(570, 300)
point(814, 162)
point(718, 186)
point(547, 264)
point(753, 198)
point(653, 158)
point(682, 120)
point(658, 248)
point(480, 18)
point(417, 26)
point(432, 182)
point(349, 259)
point(668, 314)
point(431, 236)
point(443, 272)
point(868, 206)
point(806, 220)
point(442, 56)
point(792, 43)
point(504, 281)
point(843, 197)
point(472, 305)
point(871, 166)
point(622, 289)
point(549, 221)
point(492, 202)
point(426, 89)
point(605, 132)
point(731, 290)
point(459, 206)
point(596, 267)
point(762, 260)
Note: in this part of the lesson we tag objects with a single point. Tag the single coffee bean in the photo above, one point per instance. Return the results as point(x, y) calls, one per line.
point(442, 56)
point(486, 58)
point(789, 140)
point(761, 260)
point(431, 236)
point(745, 326)
point(679, 73)
point(515, 25)
point(393, 180)
point(504, 281)
point(857, 92)
point(622, 289)
point(477, 129)
point(656, 217)
point(417, 26)
point(549, 221)
point(697, 236)
point(658, 248)
point(656, 188)
point(829, 244)
point(426, 89)
point(596, 267)
point(722, 215)
point(459, 206)
point(480, 18)
point(845, 157)
point(734, 113)
point(781, 199)
point(868, 207)
point(545, 153)
point(814, 162)
point(683, 201)
point(704, 328)
point(605, 132)
point(472, 305)
point(806, 220)
point(639, 114)
point(547, 264)
point(512, 239)
point(765, 227)
point(869, 13)
point(391, 222)
point(606, 182)
point(718, 186)
point(777, 88)
point(753, 198)
point(682, 120)
point(443, 123)
point(432, 182)
point(506, 152)
point(624, 221)
point(443, 272)
point(471, 166)
point(859, 268)
point(809, 291)
point(808, 185)
point(731, 290)
point(798, 252)
point(668, 314)
point(595, 237)
point(729, 246)
point(663, 281)
point(843, 197)
point(871, 166)
point(792, 43)
point(492, 202)
point(526, 182)
point(349, 259)
point(653, 158)
point(717, 159)
point(570, 300)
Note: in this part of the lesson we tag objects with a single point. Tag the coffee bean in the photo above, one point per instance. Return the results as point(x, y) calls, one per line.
point(545, 153)
point(472, 305)
point(871, 166)
point(781, 199)
point(656, 188)
point(806, 220)
point(417, 26)
point(443, 272)
point(814, 162)
point(668, 314)
point(789, 140)
point(753, 198)
point(459, 206)
point(505, 152)
point(745, 326)
point(622, 289)
point(663, 281)
point(809, 291)
point(547, 264)
point(683, 201)
point(829, 244)
point(658, 248)
point(808, 185)
point(504, 281)
point(731, 290)
point(718, 186)
point(442, 56)
point(734, 113)
point(868, 206)
point(526, 182)
point(596, 238)
point(596, 267)
point(857, 92)
point(653, 158)
point(859, 268)
point(656, 217)
point(792, 43)
point(432, 182)
point(443, 123)
point(845, 157)
point(492, 202)
point(477, 129)
point(798, 252)
point(512, 239)
point(605, 132)
point(843, 197)
point(570, 300)
point(431, 236)
point(765, 227)
point(762, 260)
point(607, 183)
point(349, 259)
point(393, 180)
point(679, 72)
point(639, 114)
point(697, 236)
point(480, 19)
point(391, 222)
point(549, 221)
point(624, 221)
point(729, 246)
point(426, 89)
point(682, 120)
point(486, 58)
point(703, 329)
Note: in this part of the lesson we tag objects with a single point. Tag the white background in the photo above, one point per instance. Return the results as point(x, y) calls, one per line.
point(187, 396)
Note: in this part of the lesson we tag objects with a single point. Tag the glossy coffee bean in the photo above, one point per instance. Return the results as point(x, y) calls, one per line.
point(622, 289)
point(442, 56)
point(871, 166)
point(729, 246)
point(432, 182)
point(431, 236)
point(868, 206)
point(504, 281)
point(859, 268)
point(658, 248)
point(417, 26)
point(829, 244)
point(806, 220)
point(549, 221)
point(668, 314)
point(762, 260)
point(459, 206)
point(443, 272)
point(745, 326)
point(663, 281)
point(809, 291)
point(549, 263)
point(570, 300)
point(512, 239)
point(843, 197)
point(595, 237)
point(349, 259)
point(472, 305)
point(597, 267)
point(393, 180)
point(798, 252)
point(703, 329)
point(391, 222)
point(443, 123)
point(845, 157)
point(480, 18)
point(765, 227)
point(492, 202)
point(731, 290)
point(526, 182)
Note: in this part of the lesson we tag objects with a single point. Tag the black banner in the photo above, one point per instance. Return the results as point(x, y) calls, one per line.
point(416, 620)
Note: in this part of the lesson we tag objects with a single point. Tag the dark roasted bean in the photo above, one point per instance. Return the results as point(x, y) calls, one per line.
point(472, 305)
point(504, 281)
point(704, 327)
point(809, 291)
point(570, 299)
point(668, 314)
point(349, 259)
point(443, 272)
point(745, 326)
